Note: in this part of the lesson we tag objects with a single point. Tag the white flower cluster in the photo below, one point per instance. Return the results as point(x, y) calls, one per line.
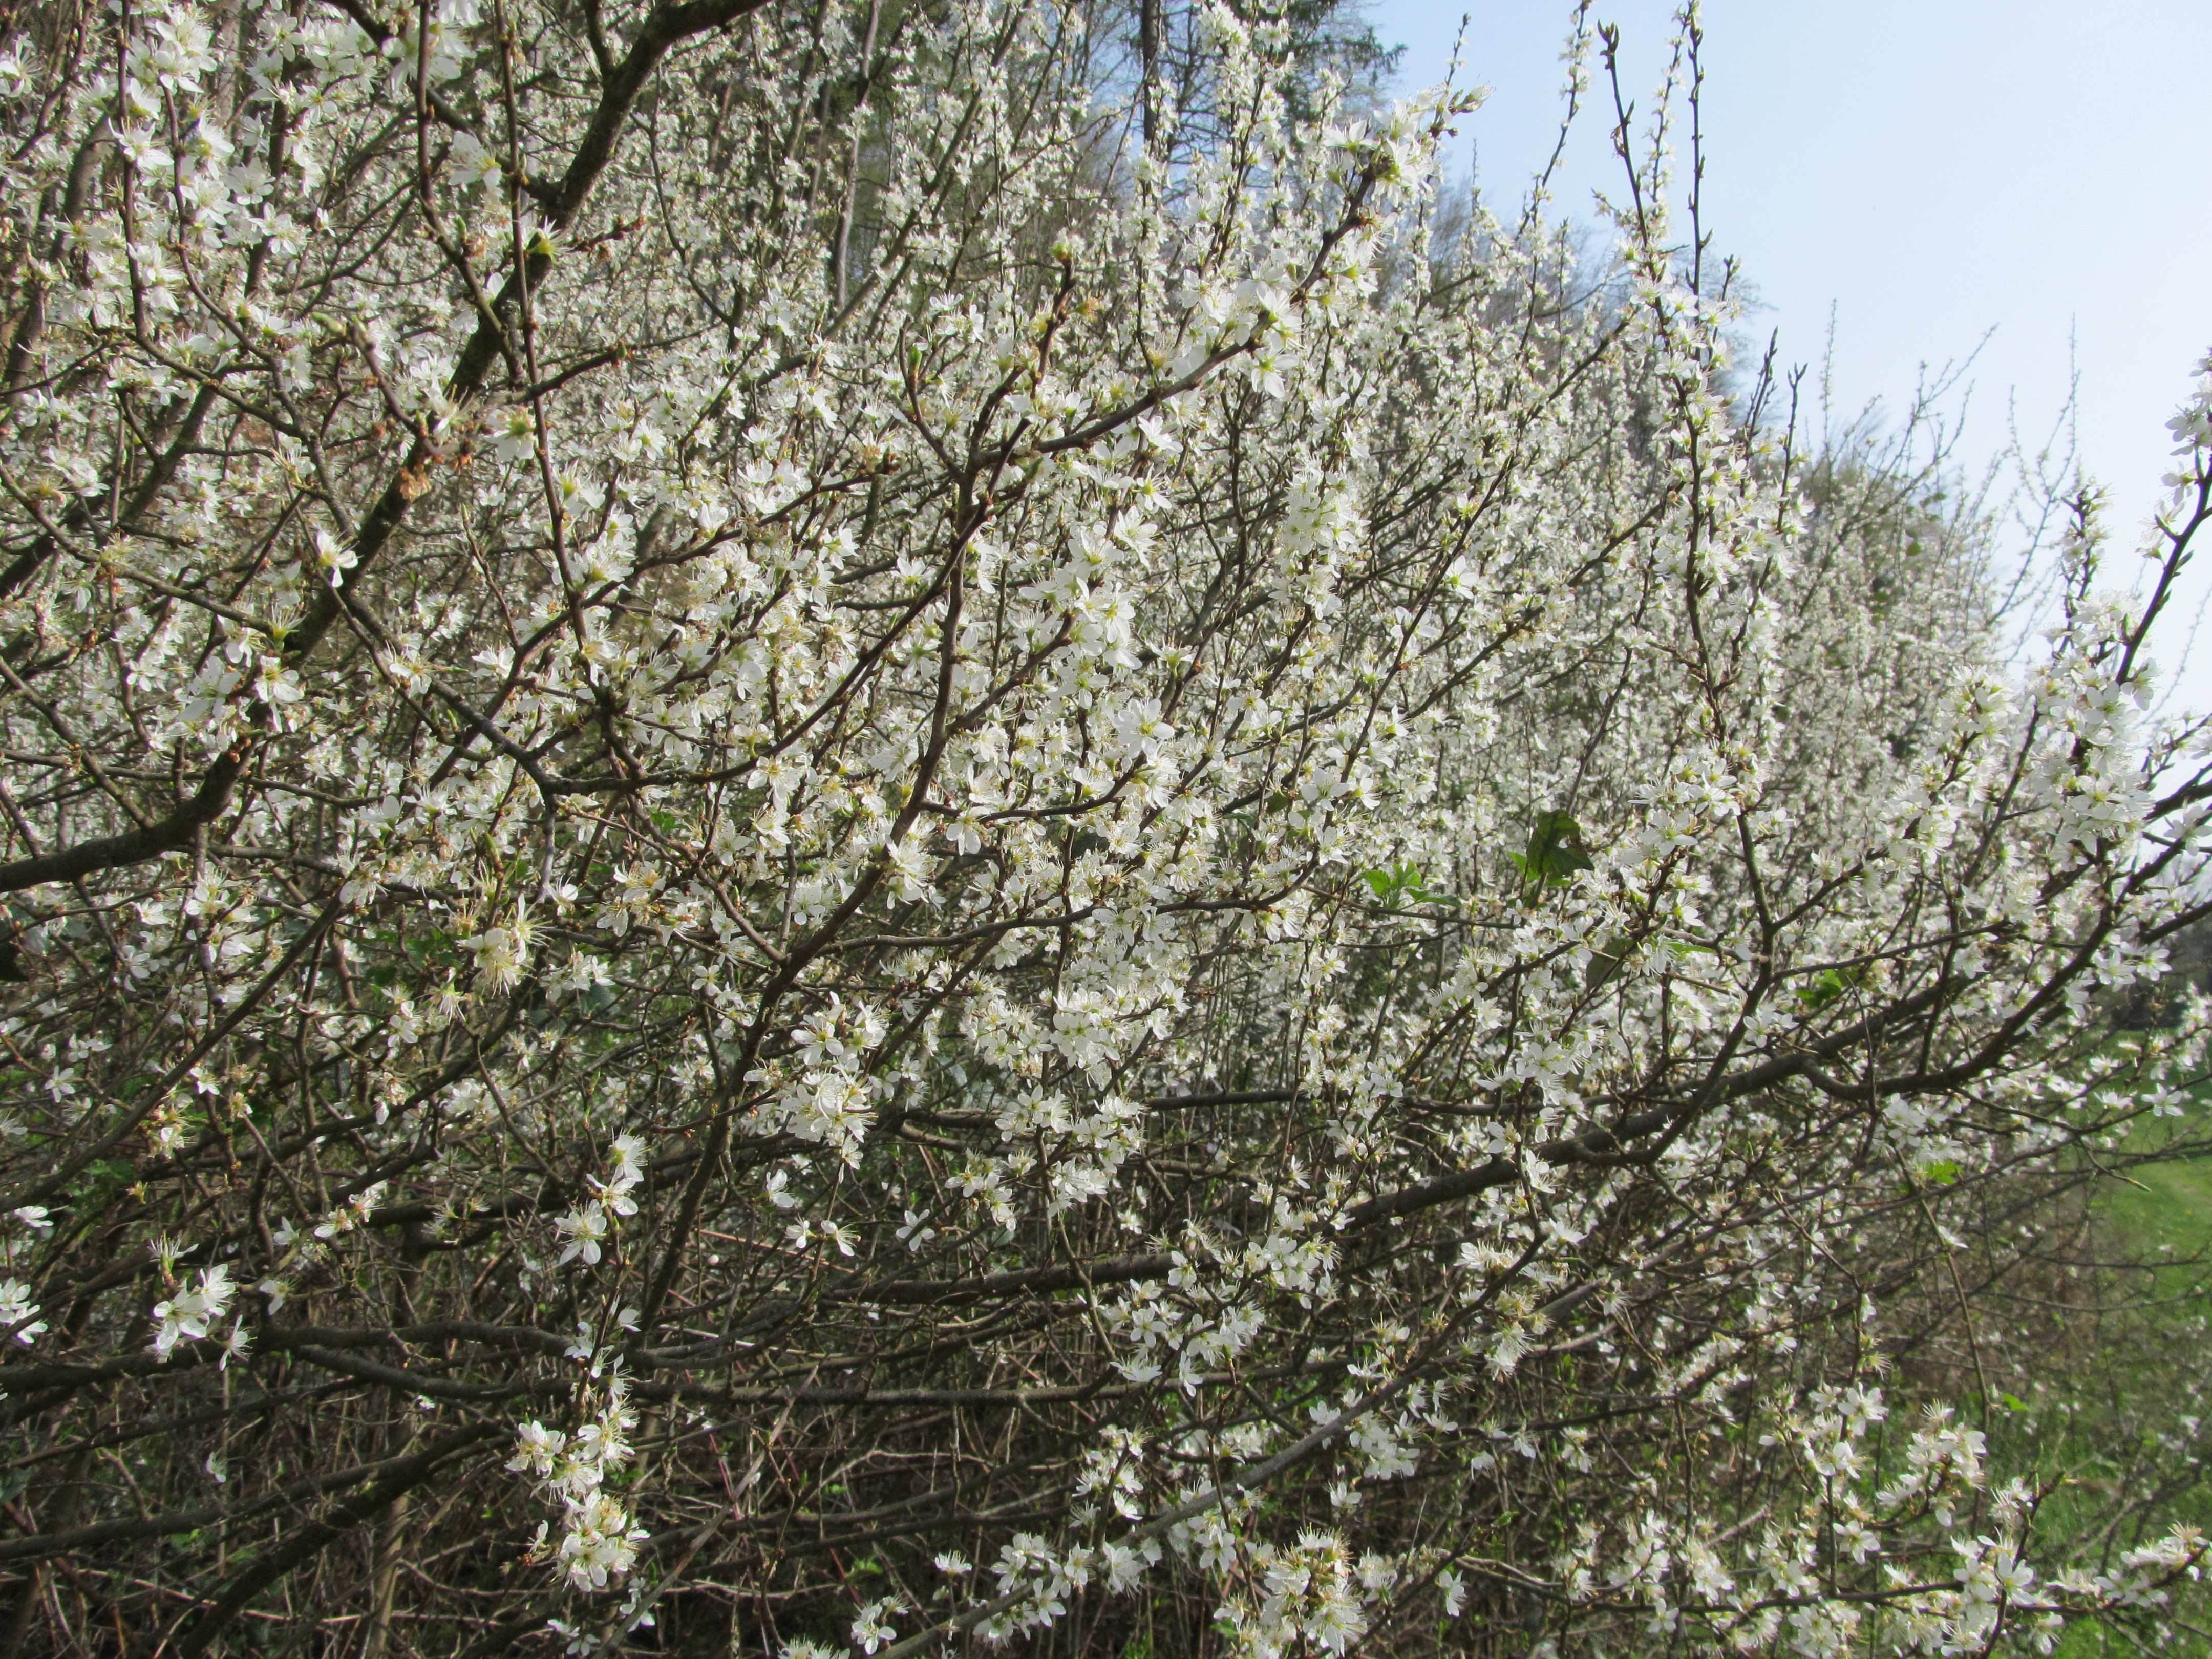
point(1684, 1578)
point(1313, 1592)
point(194, 1311)
point(19, 1305)
point(19, 1314)
point(588, 1226)
point(829, 1103)
point(1222, 809)
point(599, 1542)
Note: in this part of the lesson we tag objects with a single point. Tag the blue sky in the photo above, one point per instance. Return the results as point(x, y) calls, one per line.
point(1929, 174)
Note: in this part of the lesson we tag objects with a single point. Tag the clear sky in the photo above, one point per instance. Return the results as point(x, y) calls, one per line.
point(1931, 172)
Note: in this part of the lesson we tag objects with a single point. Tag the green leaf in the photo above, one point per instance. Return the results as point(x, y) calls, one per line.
point(1830, 984)
point(1943, 1172)
point(1607, 961)
point(1555, 851)
point(1400, 883)
point(1389, 884)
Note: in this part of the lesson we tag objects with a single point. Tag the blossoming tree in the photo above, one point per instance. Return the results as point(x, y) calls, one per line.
point(808, 847)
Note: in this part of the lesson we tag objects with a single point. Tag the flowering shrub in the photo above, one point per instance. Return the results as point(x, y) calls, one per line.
point(779, 816)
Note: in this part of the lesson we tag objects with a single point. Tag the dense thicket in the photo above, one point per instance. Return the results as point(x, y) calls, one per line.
point(840, 825)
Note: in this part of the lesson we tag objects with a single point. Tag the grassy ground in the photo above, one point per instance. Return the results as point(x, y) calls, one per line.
point(2171, 1208)
point(2159, 1356)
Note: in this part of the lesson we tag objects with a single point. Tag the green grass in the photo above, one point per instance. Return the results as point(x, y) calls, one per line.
point(2165, 1208)
point(2159, 1213)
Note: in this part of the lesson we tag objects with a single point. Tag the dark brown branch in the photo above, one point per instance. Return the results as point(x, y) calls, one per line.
point(310, 1541)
